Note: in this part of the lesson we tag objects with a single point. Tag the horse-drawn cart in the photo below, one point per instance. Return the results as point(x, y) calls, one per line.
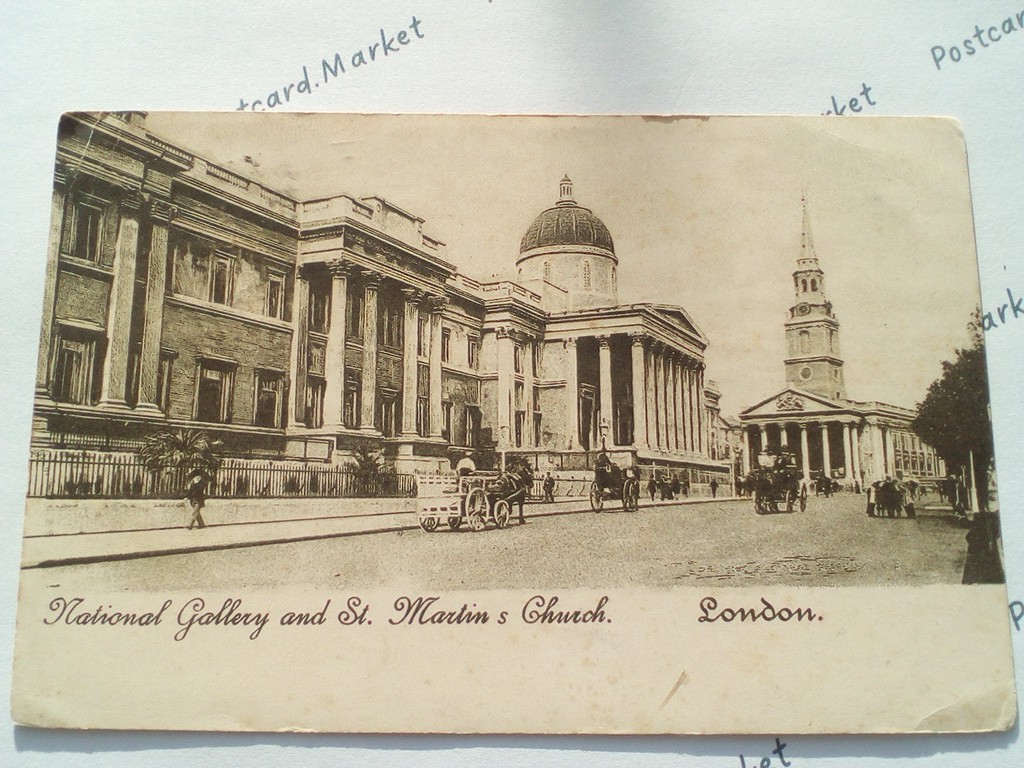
point(776, 485)
point(476, 499)
point(611, 483)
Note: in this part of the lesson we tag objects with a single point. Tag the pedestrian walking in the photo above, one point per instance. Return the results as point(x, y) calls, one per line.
point(652, 487)
point(674, 487)
point(871, 489)
point(549, 488)
point(195, 497)
point(714, 488)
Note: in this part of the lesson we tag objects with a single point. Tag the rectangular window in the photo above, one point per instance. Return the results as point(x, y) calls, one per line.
point(353, 385)
point(422, 335)
point(519, 394)
point(318, 300)
point(220, 281)
point(446, 420)
point(422, 416)
point(75, 368)
point(275, 296)
point(354, 310)
point(386, 413)
point(472, 433)
point(269, 388)
point(315, 402)
point(163, 382)
point(446, 344)
point(86, 238)
point(520, 426)
point(517, 358)
point(214, 392)
point(390, 327)
point(538, 357)
point(536, 430)
point(473, 352)
point(131, 392)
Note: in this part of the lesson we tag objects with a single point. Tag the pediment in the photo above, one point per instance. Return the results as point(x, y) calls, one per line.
point(794, 402)
point(676, 316)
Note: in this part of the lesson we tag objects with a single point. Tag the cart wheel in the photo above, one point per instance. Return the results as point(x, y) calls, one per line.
point(631, 496)
point(454, 522)
point(759, 505)
point(502, 513)
point(803, 502)
point(476, 508)
point(428, 524)
point(790, 501)
point(596, 497)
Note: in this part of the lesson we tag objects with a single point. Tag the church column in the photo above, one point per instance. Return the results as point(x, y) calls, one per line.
point(160, 215)
point(826, 458)
point(684, 387)
point(506, 361)
point(368, 394)
point(764, 438)
point(670, 402)
point(746, 451)
point(300, 329)
point(855, 453)
point(664, 419)
point(410, 367)
point(334, 355)
point(122, 291)
point(702, 417)
point(658, 434)
point(783, 436)
point(847, 456)
point(677, 404)
point(649, 397)
point(639, 391)
point(437, 304)
point(890, 457)
point(605, 365)
point(805, 464)
point(52, 271)
point(572, 395)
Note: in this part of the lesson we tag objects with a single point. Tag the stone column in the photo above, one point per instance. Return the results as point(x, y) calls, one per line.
point(746, 451)
point(783, 436)
point(691, 395)
point(334, 354)
point(764, 438)
point(855, 452)
point(605, 365)
point(528, 378)
point(119, 311)
point(684, 388)
point(890, 459)
point(826, 458)
point(663, 402)
point(50, 288)
point(368, 393)
point(805, 464)
point(437, 304)
point(847, 456)
point(650, 399)
point(300, 331)
point(410, 367)
point(677, 410)
point(160, 215)
point(702, 418)
point(506, 361)
point(572, 396)
point(639, 391)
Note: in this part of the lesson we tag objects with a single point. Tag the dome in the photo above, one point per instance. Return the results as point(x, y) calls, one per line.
point(566, 223)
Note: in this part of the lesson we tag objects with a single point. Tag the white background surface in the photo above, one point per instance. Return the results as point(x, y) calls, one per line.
point(503, 56)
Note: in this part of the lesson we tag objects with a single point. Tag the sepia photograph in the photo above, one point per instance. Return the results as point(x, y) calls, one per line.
point(551, 373)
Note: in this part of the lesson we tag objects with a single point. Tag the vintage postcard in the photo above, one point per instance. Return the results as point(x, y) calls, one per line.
point(408, 423)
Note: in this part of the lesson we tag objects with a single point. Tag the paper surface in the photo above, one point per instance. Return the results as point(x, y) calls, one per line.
point(322, 607)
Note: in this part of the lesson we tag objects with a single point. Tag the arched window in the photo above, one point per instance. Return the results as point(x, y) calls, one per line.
point(803, 286)
point(586, 274)
point(805, 341)
point(547, 270)
point(814, 284)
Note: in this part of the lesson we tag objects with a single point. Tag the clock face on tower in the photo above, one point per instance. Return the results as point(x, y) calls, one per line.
point(803, 308)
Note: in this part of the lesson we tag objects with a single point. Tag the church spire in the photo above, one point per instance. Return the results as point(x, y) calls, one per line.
point(806, 236)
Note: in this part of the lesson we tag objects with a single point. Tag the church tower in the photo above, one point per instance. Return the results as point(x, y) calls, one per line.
point(812, 330)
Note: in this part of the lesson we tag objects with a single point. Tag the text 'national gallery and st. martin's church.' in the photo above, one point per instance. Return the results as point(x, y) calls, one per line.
point(180, 294)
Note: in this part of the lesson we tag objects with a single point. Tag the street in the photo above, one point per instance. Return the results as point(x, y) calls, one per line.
point(832, 543)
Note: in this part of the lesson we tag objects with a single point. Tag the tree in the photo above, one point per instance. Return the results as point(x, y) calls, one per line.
point(954, 416)
point(183, 449)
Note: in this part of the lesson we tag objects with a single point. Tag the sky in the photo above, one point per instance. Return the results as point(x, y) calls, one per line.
point(705, 213)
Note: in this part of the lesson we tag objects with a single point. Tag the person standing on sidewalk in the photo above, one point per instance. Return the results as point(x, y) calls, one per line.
point(195, 495)
point(714, 488)
point(549, 488)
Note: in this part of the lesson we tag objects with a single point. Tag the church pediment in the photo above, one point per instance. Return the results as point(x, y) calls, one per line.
point(676, 316)
point(794, 402)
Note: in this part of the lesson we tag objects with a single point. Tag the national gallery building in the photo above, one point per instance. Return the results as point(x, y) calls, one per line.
point(180, 294)
point(812, 418)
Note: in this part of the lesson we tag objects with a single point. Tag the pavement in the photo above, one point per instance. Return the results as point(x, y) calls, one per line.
point(73, 532)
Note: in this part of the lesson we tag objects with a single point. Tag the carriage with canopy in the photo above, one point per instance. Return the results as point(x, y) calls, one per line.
point(477, 499)
point(612, 483)
point(776, 485)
